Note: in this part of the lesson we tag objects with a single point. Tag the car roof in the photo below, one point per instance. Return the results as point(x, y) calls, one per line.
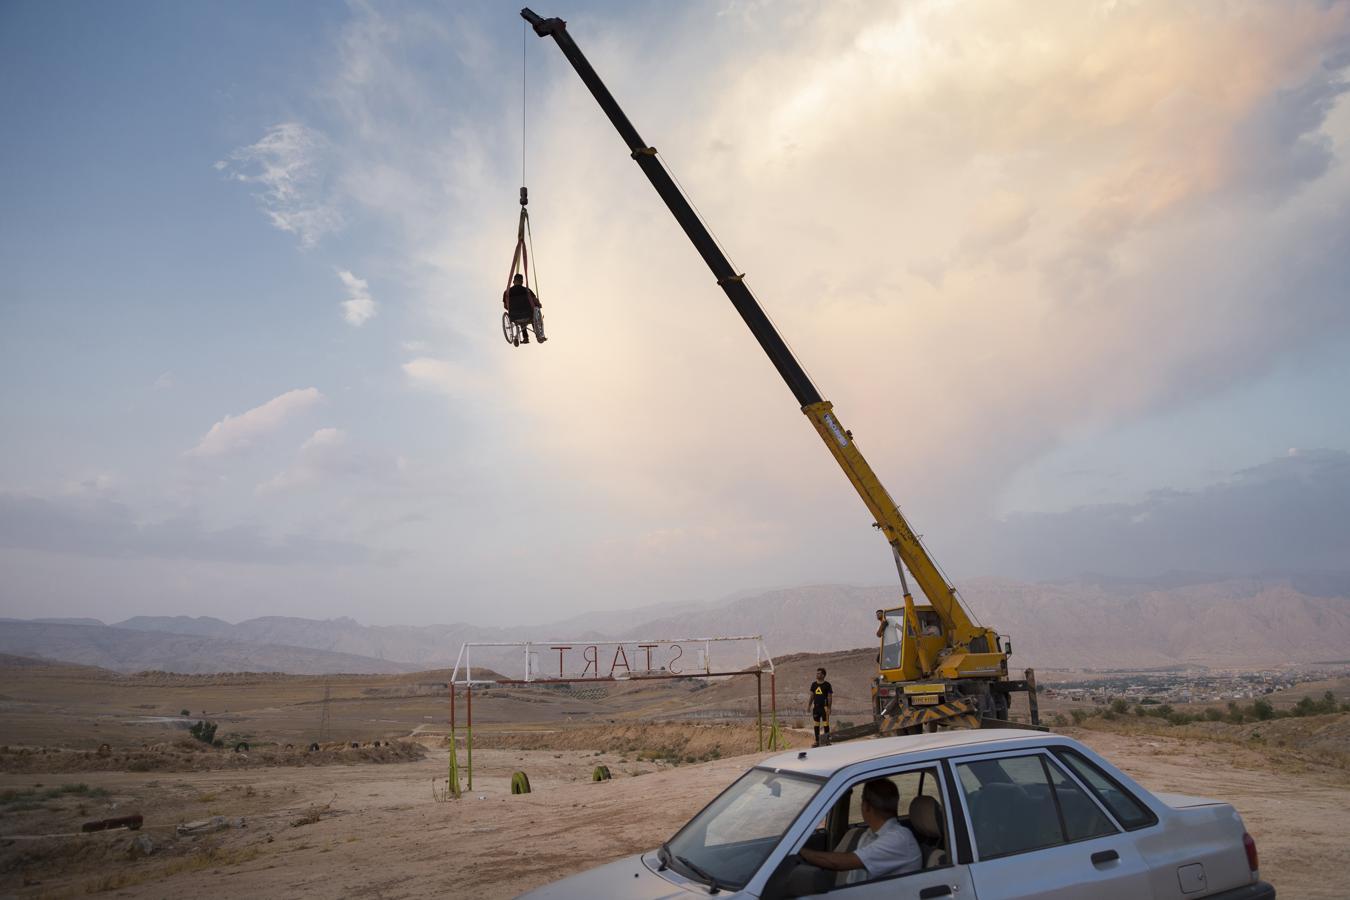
point(825, 761)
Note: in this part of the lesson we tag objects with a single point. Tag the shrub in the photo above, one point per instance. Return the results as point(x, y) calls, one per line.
point(1119, 706)
point(1310, 707)
point(1262, 710)
point(204, 731)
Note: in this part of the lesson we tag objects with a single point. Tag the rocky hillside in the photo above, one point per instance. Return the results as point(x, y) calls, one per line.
point(1088, 623)
point(126, 650)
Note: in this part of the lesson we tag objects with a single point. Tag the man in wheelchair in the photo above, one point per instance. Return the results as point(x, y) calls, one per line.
point(885, 848)
point(524, 309)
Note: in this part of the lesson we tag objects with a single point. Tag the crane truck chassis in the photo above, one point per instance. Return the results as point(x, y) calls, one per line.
point(937, 667)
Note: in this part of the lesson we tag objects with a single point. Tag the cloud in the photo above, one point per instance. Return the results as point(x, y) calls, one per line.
point(358, 308)
point(287, 164)
point(442, 376)
point(234, 434)
point(164, 382)
point(1284, 515)
point(107, 528)
point(327, 456)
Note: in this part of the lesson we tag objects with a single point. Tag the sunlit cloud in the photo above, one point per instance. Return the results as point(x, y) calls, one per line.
point(235, 434)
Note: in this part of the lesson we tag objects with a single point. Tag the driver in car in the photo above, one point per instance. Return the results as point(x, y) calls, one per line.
point(886, 848)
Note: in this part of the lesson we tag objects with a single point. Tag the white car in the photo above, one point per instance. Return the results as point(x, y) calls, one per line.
point(998, 815)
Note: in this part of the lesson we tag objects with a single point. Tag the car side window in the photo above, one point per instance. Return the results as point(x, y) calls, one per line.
point(1021, 803)
point(911, 784)
point(1011, 806)
point(1083, 818)
point(1124, 806)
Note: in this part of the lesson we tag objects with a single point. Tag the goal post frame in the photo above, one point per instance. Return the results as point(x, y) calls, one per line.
point(463, 663)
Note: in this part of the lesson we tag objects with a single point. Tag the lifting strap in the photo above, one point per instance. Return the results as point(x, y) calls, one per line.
point(520, 262)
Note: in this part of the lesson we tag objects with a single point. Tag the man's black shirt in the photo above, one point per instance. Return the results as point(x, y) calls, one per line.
point(821, 694)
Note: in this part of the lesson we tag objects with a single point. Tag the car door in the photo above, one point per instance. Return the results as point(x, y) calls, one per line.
point(1038, 833)
point(944, 880)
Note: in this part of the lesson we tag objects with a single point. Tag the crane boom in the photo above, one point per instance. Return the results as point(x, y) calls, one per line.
point(965, 649)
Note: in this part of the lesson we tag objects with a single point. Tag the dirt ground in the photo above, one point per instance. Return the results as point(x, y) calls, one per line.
point(367, 822)
point(377, 831)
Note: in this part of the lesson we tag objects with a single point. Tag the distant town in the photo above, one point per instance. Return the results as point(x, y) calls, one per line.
point(1190, 685)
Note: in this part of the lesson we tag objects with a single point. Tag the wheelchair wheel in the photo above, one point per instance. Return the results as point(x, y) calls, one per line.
point(510, 330)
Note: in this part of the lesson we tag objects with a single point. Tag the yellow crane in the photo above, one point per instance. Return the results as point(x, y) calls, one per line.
point(936, 666)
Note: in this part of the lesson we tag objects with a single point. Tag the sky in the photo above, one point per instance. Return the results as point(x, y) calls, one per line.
point(1074, 274)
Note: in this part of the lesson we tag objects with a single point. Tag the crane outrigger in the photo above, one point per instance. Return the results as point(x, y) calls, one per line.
point(936, 665)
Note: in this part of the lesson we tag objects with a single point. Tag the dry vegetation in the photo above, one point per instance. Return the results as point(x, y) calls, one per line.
point(672, 743)
point(193, 756)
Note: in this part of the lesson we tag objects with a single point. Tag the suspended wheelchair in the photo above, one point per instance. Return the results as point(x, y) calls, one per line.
point(516, 320)
point(513, 331)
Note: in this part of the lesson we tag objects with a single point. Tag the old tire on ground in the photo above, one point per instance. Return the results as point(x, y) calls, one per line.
point(601, 773)
point(520, 783)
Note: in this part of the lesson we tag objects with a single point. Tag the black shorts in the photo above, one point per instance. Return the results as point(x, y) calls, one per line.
point(820, 714)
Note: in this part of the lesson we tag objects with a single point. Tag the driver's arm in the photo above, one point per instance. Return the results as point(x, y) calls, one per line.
point(830, 859)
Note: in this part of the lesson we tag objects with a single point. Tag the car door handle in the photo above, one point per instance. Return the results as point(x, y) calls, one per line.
point(937, 890)
point(1104, 856)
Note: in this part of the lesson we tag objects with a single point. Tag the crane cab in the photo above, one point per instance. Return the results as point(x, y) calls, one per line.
point(926, 677)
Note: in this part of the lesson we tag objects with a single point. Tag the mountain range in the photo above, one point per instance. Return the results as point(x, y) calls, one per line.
point(1088, 623)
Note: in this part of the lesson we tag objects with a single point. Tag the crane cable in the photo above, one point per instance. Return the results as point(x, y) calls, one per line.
point(524, 49)
point(520, 262)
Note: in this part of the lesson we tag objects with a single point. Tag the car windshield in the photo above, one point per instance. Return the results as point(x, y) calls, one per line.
point(733, 836)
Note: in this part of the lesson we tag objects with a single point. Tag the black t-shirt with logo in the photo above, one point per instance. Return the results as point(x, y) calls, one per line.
point(821, 694)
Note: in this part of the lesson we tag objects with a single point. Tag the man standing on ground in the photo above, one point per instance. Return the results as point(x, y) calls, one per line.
point(819, 701)
point(886, 848)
